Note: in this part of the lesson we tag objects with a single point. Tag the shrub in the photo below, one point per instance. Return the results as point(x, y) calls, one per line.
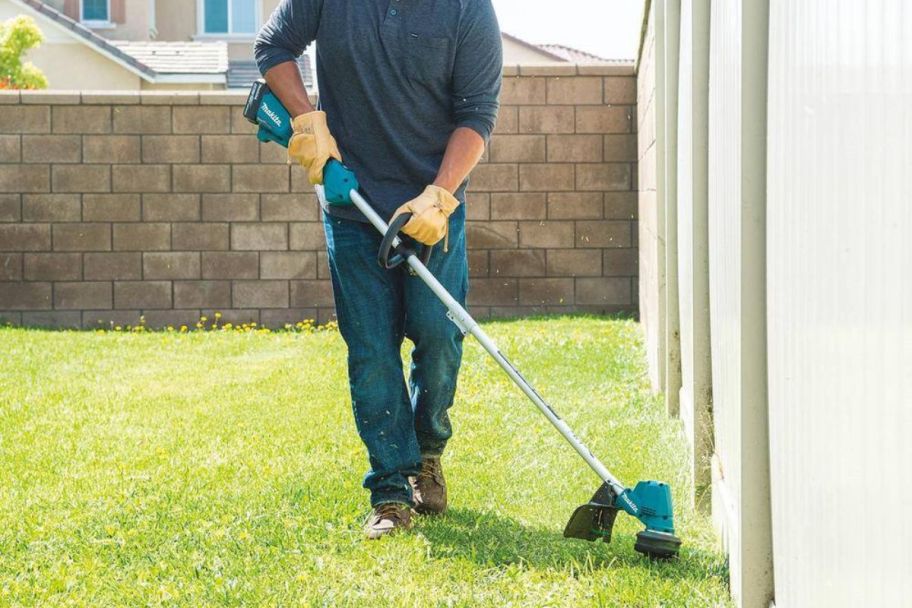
point(17, 36)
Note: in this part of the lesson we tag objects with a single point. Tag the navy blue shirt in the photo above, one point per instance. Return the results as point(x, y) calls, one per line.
point(396, 78)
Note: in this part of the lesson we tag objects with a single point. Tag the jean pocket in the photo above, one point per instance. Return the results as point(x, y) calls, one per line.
point(428, 58)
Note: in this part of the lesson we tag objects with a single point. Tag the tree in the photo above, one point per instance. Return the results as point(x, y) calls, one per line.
point(18, 35)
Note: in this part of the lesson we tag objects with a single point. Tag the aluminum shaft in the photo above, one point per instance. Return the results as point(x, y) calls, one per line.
point(467, 324)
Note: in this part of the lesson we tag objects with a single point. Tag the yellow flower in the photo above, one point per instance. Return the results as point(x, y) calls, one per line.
point(183, 328)
point(218, 315)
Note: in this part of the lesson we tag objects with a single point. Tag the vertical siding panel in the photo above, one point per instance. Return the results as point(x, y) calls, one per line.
point(693, 263)
point(725, 274)
point(737, 294)
point(840, 301)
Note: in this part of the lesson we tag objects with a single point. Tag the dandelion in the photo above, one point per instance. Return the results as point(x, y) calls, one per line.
point(183, 329)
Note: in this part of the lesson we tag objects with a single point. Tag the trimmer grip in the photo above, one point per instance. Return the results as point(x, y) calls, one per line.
point(338, 182)
point(400, 253)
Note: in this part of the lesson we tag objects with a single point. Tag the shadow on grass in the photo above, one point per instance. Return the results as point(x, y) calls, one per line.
point(494, 540)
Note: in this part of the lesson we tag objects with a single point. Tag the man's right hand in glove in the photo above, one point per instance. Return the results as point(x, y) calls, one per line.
point(312, 145)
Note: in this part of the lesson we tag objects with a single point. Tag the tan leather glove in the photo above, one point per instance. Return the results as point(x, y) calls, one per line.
point(430, 213)
point(312, 145)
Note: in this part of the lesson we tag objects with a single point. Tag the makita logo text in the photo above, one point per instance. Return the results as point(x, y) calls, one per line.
point(630, 503)
point(275, 117)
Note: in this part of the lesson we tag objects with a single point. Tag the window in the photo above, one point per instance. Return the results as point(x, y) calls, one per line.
point(230, 16)
point(96, 11)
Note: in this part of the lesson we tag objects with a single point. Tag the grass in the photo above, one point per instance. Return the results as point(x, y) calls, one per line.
point(223, 469)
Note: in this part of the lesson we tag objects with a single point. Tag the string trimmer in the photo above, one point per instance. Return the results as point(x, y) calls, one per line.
point(648, 501)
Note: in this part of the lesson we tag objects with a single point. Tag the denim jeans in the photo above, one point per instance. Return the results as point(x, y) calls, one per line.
point(376, 309)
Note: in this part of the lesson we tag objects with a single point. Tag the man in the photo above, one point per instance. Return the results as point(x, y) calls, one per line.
point(408, 100)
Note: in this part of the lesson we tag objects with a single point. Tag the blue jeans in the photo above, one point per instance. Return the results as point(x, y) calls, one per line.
point(376, 309)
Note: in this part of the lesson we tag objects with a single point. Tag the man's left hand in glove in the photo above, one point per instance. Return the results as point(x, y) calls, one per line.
point(430, 215)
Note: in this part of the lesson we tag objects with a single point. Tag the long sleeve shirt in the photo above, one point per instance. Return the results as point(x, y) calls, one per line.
point(396, 78)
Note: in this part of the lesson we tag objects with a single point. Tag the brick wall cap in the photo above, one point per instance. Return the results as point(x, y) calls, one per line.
point(104, 98)
point(607, 69)
point(222, 98)
point(50, 96)
point(169, 98)
point(548, 69)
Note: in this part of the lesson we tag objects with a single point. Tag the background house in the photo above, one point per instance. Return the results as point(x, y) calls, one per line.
point(180, 44)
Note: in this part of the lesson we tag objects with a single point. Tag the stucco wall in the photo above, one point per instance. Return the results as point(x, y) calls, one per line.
point(74, 66)
point(175, 19)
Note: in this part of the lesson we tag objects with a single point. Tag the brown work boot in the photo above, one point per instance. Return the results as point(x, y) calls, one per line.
point(388, 518)
point(429, 487)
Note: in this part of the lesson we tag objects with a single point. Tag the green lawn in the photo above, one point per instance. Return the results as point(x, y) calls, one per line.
point(223, 468)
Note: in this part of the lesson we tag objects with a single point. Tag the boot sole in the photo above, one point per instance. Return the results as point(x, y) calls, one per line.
point(424, 510)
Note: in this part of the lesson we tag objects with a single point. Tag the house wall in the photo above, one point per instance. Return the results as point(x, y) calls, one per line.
point(136, 24)
point(840, 304)
point(69, 64)
point(175, 19)
point(807, 220)
point(59, 63)
point(116, 205)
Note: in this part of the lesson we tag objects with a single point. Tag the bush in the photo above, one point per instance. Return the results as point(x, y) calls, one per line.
point(17, 36)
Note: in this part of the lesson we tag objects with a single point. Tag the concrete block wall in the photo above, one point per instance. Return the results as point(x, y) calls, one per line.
point(118, 205)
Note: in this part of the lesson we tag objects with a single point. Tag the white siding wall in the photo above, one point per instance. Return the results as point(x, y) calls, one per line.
point(840, 302)
point(725, 273)
point(737, 173)
point(693, 272)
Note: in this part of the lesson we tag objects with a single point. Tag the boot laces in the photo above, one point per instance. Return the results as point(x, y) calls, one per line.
point(431, 471)
point(389, 510)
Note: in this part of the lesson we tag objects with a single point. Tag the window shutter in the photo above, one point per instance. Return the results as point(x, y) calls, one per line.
point(118, 11)
point(71, 9)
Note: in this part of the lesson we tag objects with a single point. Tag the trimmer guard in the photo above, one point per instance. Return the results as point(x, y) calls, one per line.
point(649, 501)
point(595, 519)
